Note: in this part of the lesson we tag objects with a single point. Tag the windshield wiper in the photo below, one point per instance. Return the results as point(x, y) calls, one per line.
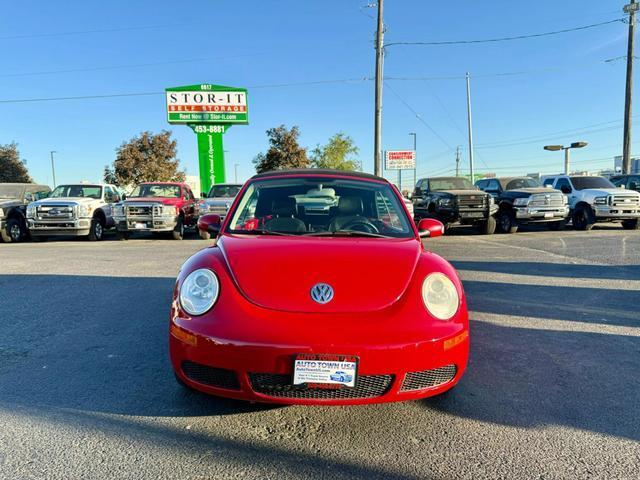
point(346, 233)
point(259, 232)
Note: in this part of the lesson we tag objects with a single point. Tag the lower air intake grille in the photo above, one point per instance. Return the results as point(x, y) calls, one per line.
point(214, 377)
point(428, 378)
point(367, 386)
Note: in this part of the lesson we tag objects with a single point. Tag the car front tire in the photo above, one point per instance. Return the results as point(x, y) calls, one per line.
point(96, 231)
point(631, 224)
point(583, 218)
point(507, 222)
point(488, 227)
point(178, 231)
point(14, 232)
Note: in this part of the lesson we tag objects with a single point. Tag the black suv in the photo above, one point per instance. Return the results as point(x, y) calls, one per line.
point(630, 182)
point(14, 198)
point(523, 200)
point(454, 201)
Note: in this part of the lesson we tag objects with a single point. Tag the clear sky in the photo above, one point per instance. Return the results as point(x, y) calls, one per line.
point(568, 91)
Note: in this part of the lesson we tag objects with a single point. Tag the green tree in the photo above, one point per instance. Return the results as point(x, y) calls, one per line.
point(146, 158)
point(12, 169)
point(336, 154)
point(284, 151)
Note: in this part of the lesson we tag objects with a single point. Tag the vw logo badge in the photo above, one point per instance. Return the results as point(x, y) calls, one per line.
point(322, 293)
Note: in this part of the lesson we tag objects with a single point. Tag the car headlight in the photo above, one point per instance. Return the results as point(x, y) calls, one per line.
point(600, 200)
point(199, 291)
point(521, 202)
point(84, 210)
point(440, 296)
point(31, 211)
point(491, 200)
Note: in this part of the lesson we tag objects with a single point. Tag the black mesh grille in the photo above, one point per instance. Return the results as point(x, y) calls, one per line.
point(214, 377)
point(428, 378)
point(367, 386)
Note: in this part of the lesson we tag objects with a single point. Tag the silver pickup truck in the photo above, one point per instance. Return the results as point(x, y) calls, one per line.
point(83, 210)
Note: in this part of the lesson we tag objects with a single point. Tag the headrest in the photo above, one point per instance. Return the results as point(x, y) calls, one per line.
point(284, 207)
point(350, 206)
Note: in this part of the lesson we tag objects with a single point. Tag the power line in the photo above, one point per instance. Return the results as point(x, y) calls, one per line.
point(507, 39)
point(83, 32)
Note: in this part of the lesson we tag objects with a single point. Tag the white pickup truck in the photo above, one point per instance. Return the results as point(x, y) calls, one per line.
point(595, 199)
point(83, 210)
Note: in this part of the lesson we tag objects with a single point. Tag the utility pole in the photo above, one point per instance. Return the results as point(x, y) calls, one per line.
point(53, 168)
point(415, 150)
point(470, 124)
point(235, 168)
point(377, 142)
point(458, 161)
point(631, 9)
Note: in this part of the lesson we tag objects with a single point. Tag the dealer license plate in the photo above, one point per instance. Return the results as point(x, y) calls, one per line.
point(472, 215)
point(325, 369)
point(548, 215)
point(140, 225)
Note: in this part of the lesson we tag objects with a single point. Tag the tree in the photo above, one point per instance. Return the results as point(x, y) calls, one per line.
point(12, 169)
point(284, 151)
point(145, 158)
point(335, 153)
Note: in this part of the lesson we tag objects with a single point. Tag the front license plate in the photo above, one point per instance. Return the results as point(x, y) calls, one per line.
point(548, 215)
point(473, 215)
point(325, 369)
point(140, 225)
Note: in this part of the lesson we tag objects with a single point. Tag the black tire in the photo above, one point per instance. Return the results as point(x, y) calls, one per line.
point(204, 235)
point(96, 231)
point(14, 232)
point(631, 224)
point(556, 226)
point(122, 235)
point(583, 218)
point(178, 231)
point(488, 227)
point(507, 222)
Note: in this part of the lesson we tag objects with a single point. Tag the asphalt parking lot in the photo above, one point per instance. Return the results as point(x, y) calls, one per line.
point(552, 389)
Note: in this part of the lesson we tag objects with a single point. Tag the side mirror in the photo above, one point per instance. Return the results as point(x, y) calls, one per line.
point(210, 223)
point(565, 189)
point(430, 228)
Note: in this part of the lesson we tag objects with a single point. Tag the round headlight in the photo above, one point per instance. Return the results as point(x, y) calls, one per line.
point(440, 296)
point(199, 291)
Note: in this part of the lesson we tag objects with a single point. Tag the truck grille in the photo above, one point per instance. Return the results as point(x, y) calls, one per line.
point(546, 200)
point(472, 202)
point(274, 385)
point(428, 378)
point(55, 212)
point(138, 210)
point(624, 201)
point(218, 209)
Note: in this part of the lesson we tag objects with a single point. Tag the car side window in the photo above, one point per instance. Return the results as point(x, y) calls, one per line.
point(185, 194)
point(190, 193)
point(564, 185)
point(493, 186)
point(548, 181)
point(108, 195)
point(481, 184)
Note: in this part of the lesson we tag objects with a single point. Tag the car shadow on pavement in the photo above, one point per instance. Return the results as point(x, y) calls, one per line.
point(525, 377)
point(95, 343)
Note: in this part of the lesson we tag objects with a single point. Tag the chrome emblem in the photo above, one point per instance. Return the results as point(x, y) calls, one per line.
point(322, 293)
point(54, 212)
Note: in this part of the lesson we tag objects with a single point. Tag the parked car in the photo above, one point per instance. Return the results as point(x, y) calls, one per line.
point(595, 199)
point(281, 301)
point(630, 182)
point(454, 201)
point(523, 200)
point(158, 207)
point(14, 198)
point(219, 198)
point(78, 209)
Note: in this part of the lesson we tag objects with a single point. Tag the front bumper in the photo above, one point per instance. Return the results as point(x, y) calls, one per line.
point(146, 224)
point(79, 228)
point(541, 214)
point(604, 212)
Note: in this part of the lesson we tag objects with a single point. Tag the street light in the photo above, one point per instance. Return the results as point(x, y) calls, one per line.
point(53, 169)
point(555, 148)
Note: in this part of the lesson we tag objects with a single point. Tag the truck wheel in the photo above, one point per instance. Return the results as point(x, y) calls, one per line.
point(122, 235)
point(14, 232)
point(96, 230)
point(582, 218)
point(555, 226)
point(488, 227)
point(506, 222)
point(631, 224)
point(178, 232)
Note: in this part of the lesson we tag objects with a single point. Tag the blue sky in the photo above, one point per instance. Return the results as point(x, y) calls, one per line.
point(568, 92)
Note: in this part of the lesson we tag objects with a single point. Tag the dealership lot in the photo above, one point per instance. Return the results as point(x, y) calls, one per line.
point(552, 390)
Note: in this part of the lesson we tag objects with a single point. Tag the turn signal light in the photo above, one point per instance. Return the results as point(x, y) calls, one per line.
point(183, 336)
point(458, 339)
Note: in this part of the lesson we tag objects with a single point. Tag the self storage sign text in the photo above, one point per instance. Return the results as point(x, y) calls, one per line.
point(220, 106)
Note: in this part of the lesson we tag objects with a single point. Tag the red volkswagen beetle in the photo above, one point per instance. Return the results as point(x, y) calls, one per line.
point(318, 291)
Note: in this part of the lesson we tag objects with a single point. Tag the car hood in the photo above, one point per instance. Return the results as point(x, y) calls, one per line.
point(219, 200)
point(366, 274)
point(607, 191)
point(534, 190)
point(63, 200)
point(6, 202)
point(461, 192)
point(164, 201)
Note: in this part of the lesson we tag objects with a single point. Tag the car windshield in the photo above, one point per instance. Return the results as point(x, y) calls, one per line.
point(11, 191)
point(161, 190)
point(450, 183)
point(582, 183)
point(89, 191)
point(224, 191)
point(320, 206)
point(514, 183)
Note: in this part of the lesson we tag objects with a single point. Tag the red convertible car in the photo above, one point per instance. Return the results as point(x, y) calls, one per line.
point(335, 305)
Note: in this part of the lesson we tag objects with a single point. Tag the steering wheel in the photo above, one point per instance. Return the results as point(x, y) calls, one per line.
point(360, 225)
